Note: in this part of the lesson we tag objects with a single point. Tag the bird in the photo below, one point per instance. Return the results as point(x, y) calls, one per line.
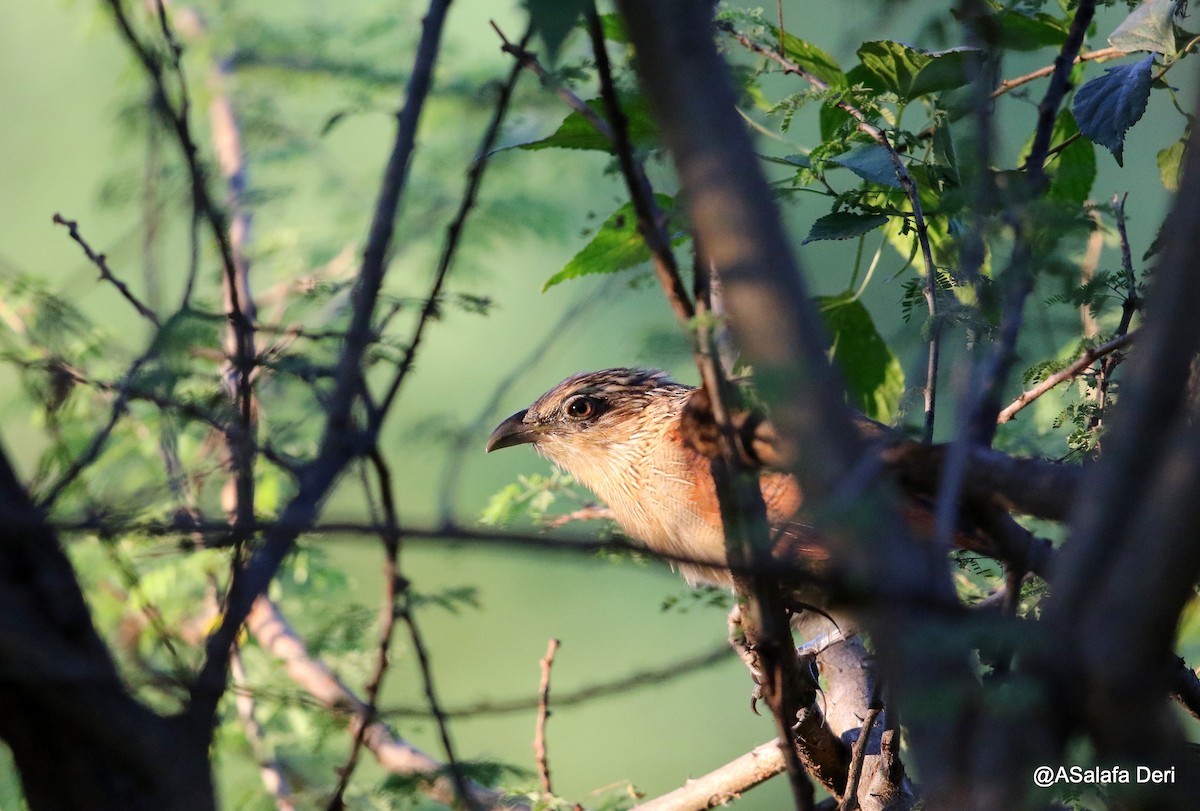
point(620, 432)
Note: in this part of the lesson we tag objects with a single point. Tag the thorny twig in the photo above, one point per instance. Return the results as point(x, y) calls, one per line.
point(543, 715)
point(101, 263)
point(1087, 56)
point(1129, 306)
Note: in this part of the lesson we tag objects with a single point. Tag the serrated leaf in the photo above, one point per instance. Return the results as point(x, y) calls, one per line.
point(874, 376)
point(871, 163)
point(552, 20)
point(911, 72)
point(1107, 106)
point(1169, 161)
point(617, 245)
point(1149, 27)
point(843, 225)
point(576, 132)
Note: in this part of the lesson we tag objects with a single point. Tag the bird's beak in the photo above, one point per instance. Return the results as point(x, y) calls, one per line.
point(513, 431)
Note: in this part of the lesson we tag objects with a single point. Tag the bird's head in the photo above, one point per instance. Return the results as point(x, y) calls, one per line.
point(588, 415)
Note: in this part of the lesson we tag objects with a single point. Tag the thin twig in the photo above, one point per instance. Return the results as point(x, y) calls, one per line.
point(543, 715)
point(857, 757)
point(461, 788)
point(1129, 306)
point(528, 60)
point(392, 586)
point(1061, 376)
point(101, 263)
point(100, 438)
point(1087, 56)
point(591, 512)
point(651, 223)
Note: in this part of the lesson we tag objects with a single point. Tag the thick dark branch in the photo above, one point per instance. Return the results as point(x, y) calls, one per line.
point(739, 230)
point(454, 232)
point(1133, 557)
point(339, 444)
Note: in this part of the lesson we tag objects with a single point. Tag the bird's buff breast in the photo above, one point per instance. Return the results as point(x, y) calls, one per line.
point(655, 500)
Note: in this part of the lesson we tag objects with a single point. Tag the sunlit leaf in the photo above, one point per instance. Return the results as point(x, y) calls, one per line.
point(1024, 31)
point(1169, 161)
point(576, 132)
point(1072, 170)
point(874, 376)
point(810, 57)
point(1149, 27)
point(911, 72)
point(617, 245)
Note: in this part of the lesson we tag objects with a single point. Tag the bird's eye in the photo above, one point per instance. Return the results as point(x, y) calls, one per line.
point(582, 407)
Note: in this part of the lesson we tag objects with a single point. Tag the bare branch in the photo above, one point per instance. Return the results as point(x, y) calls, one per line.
point(273, 777)
point(272, 631)
point(720, 786)
point(1063, 375)
point(454, 230)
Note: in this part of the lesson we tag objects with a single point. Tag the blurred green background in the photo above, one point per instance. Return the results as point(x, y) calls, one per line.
point(66, 146)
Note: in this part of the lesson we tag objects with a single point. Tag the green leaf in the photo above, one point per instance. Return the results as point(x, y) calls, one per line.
point(843, 225)
point(911, 72)
point(1023, 31)
point(614, 29)
point(1073, 170)
point(576, 132)
point(1149, 27)
point(811, 58)
point(552, 20)
point(1107, 106)
point(617, 245)
point(1169, 161)
point(871, 163)
point(874, 377)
